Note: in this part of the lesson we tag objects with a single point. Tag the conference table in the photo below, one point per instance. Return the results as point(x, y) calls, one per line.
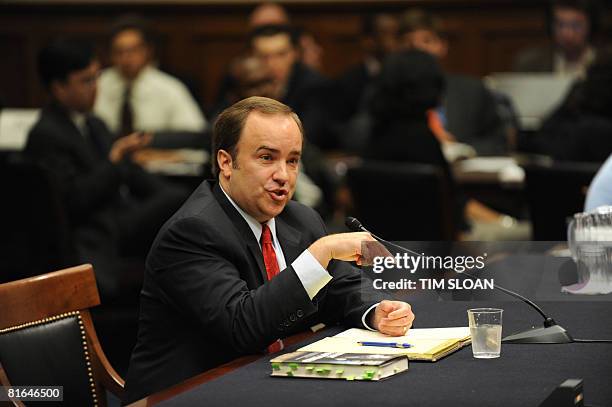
point(524, 375)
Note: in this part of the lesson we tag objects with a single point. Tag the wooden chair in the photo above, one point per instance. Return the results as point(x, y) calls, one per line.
point(47, 337)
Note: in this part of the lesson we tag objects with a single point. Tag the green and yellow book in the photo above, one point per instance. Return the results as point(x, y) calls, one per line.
point(347, 366)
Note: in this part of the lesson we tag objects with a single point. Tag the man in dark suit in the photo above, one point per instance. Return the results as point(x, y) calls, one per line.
point(212, 292)
point(572, 25)
point(353, 89)
point(114, 207)
point(468, 110)
point(295, 84)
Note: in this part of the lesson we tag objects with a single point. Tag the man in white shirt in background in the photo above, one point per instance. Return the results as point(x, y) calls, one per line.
point(133, 95)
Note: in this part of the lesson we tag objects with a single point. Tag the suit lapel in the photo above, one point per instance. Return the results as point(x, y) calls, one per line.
point(289, 239)
point(243, 229)
point(71, 133)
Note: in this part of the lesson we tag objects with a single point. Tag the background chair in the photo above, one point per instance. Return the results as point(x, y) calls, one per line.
point(47, 337)
point(555, 191)
point(401, 201)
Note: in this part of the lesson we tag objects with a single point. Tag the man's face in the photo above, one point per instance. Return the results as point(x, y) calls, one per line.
point(570, 30)
point(385, 37)
point(261, 180)
point(278, 55)
point(129, 53)
point(254, 79)
point(425, 40)
point(78, 92)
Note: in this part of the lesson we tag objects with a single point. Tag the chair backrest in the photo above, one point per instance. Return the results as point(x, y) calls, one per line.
point(402, 201)
point(47, 336)
point(36, 235)
point(556, 191)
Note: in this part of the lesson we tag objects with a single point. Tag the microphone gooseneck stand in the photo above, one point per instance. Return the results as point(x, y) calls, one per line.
point(551, 332)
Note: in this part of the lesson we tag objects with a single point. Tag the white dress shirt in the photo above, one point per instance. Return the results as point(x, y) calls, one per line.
point(159, 102)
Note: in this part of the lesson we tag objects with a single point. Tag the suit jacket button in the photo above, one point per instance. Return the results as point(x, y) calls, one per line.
point(299, 313)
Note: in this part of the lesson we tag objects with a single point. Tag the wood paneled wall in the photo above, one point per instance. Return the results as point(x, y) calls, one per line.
point(198, 40)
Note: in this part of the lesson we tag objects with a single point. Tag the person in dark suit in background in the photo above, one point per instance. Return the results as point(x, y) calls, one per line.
point(268, 13)
point(572, 25)
point(295, 84)
point(468, 110)
point(114, 207)
point(580, 129)
point(409, 85)
point(379, 35)
point(241, 265)
point(305, 91)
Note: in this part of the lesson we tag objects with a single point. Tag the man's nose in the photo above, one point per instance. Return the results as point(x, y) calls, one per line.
point(281, 175)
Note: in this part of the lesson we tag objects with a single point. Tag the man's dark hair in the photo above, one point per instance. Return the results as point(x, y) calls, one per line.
point(230, 123)
point(369, 23)
point(419, 19)
point(590, 8)
point(275, 29)
point(132, 22)
point(409, 83)
point(61, 57)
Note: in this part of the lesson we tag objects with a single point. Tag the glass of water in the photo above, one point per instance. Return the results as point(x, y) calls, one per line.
point(486, 331)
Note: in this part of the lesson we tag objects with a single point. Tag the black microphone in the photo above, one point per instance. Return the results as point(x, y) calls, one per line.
point(354, 225)
point(551, 333)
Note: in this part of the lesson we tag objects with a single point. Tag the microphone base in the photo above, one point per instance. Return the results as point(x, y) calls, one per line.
point(551, 334)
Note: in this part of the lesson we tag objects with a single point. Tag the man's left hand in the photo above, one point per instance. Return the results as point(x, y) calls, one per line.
point(393, 317)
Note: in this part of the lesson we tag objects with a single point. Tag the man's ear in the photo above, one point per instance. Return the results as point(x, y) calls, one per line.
point(443, 48)
point(57, 90)
point(224, 162)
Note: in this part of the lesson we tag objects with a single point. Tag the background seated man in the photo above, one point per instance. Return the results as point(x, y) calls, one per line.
point(295, 84)
point(580, 129)
point(468, 110)
point(114, 207)
point(572, 25)
point(310, 52)
point(135, 95)
point(379, 35)
point(241, 265)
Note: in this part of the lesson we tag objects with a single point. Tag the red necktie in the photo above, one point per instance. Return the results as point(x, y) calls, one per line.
point(269, 254)
point(272, 270)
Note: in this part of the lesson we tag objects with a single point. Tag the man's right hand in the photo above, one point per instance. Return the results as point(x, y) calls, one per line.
point(127, 145)
point(341, 246)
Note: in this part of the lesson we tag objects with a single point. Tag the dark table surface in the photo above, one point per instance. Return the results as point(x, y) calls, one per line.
point(524, 375)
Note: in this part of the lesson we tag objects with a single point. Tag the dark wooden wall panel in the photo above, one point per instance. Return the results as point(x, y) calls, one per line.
point(197, 41)
point(14, 88)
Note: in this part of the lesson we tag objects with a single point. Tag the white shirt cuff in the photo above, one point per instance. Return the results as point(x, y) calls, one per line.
point(363, 317)
point(311, 274)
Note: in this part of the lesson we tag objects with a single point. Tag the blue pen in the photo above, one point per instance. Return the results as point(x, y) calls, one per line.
point(386, 344)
